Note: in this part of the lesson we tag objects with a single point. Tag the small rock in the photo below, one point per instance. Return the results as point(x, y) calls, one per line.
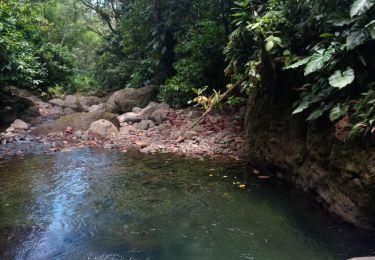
point(72, 102)
point(141, 144)
point(18, 124)
point(68, 110)
point(97, 108)
point(189, 134)
point(129, 117)
point(57, 102)
point(137, 110)
point(144, 125)
point(78, 133)
point(10, 130)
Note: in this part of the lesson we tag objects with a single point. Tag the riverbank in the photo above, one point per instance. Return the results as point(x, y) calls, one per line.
point(57, 128)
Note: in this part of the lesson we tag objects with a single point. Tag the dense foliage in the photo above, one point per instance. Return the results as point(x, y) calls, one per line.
point(329, 45)
point(196, 47)
point(26, 58)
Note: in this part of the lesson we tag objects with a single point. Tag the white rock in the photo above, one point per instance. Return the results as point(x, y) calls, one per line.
point(102, 129)
point(18, 124)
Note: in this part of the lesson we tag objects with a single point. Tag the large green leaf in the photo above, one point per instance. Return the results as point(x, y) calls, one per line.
point(298, 63)
point(371, 28)
point(341, 79)
point(360, 7)
point(318, 60)
point(338, 111)
point(356, 38)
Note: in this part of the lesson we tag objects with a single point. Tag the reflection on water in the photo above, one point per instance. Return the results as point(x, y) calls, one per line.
point(90, 204)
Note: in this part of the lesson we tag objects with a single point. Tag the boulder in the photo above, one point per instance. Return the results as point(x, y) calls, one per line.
point(68, 111)
point(87, 102)
point(78, 121)
point(57, 102)
point(18, 124)
point(97, 108)
point(129, 117)
point(72, 102)
point(102, 129)
point(124, 100)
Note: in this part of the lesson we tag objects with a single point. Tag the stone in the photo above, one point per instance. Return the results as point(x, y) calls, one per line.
point(18, 124)
point(97, 108)
point(89, 101)
point(189, 134)
point(102, 129)
point(8, 135)
point(68, 111)
point(160, 113)
point(10, 130)
point(129, 117)
point(73, 102)
point(144, 125)
point(124, 100)
point(78, 121)
point(148, 110)
point(137, 110)
point(57, 102)
point(78, 133)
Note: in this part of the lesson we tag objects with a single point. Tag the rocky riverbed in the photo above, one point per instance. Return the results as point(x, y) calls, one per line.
point(106, 123)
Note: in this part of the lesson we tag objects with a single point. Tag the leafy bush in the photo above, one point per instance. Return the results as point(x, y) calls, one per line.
point(330, 44)
point(26, 58)
point(199, 62)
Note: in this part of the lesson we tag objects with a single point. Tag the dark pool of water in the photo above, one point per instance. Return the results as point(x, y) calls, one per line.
point(90, 204)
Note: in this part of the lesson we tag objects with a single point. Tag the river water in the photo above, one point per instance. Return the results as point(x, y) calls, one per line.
point(95, 204)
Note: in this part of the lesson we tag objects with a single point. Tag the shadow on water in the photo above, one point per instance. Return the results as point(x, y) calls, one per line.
point(94, 204)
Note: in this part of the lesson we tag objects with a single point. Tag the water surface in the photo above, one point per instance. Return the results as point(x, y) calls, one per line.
point(94, 204)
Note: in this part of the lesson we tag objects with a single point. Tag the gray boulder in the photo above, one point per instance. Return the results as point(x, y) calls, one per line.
point(72, 102)
point(102, 129)
point(97, 108)
point(124, 100)
point(57, 102)
point(87, 102)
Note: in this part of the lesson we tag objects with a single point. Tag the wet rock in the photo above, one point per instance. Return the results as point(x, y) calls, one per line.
point(102, 129)
point(129, 117)
point(57, 102)
point(137, 110)
point(124, 100)
point(72, 102)
point(78, 121)
point(18, 124)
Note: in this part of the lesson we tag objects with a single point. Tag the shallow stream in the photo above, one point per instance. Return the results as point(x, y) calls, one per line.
point(95, 204)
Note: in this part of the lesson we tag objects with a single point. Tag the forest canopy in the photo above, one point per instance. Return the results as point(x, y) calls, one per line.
point(325, 50)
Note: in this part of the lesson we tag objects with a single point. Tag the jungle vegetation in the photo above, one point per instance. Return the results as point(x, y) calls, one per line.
point(196, 50)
